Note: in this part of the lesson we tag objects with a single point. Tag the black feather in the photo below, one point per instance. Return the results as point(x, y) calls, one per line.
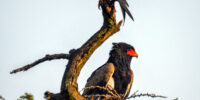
point(122, 73)
point(123, 4)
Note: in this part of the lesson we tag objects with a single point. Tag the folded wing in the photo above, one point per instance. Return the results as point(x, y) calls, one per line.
point(101, 77)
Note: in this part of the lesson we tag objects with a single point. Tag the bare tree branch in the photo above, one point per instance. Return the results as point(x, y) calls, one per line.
point(46, 58)
point(112, 94)
point(77, 58)
point(80, 56)
point(134, 95)
point(175, 99)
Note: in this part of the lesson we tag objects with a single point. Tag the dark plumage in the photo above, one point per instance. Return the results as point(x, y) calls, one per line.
point(123, 4)
point(115, 73)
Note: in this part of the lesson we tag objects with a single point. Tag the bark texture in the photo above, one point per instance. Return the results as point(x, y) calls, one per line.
point(78, 57)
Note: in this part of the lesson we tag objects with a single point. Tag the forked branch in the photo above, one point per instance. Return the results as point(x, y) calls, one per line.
point(77, 58)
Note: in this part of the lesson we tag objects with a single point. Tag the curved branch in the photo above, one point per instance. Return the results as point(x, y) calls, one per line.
point(80, 56)
point(77, 58)
point(46, 58)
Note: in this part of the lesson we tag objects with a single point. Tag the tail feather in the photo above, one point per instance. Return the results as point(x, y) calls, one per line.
point(124, 5)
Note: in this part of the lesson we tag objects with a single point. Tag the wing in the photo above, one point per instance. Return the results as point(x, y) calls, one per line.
point(129, 86)
point(123, 4)
point(99, 77)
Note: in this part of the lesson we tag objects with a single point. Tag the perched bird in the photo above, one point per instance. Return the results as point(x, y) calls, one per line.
point(123, 4)
point(115, 74)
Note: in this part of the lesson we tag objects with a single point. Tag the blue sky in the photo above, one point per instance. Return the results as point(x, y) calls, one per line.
point(165, 33)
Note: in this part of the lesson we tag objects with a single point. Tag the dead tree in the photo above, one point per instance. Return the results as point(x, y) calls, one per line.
point(78, 57)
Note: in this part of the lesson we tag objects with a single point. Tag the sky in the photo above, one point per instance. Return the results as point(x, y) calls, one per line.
point(165, 34)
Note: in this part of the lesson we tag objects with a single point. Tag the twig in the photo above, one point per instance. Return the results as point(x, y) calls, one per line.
point(46, 58)
point(106, 96)
point(175, 99)
point(134, 95)
point(112, 93)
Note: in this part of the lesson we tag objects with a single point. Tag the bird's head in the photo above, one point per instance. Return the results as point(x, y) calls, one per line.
point(123, 49)
point(122, 53)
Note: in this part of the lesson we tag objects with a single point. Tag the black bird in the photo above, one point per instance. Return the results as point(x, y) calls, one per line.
point(115, 74)
point(123, 4)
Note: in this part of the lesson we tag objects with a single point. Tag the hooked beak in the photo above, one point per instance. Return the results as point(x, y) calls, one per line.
point(132, 53)
point(135, 55)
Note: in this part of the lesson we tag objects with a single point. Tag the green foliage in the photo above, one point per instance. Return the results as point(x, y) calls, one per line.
point(26, 96)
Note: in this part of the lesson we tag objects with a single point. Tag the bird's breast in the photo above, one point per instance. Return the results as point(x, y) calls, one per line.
point(111, 83)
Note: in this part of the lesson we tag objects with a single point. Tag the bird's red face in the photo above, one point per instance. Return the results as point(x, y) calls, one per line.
point(132, 53)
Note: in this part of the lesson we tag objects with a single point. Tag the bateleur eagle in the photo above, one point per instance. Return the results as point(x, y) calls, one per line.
point(115, 74)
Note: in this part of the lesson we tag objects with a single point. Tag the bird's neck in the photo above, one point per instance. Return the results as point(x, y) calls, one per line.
point(120, 62)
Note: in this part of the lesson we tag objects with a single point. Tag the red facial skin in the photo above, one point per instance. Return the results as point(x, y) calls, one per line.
point(131, 52)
